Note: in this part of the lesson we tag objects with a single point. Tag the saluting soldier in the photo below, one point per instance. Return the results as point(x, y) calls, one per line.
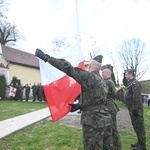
point(95, 118)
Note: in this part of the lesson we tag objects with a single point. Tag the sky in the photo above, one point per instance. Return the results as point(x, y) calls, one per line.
point(108, 23)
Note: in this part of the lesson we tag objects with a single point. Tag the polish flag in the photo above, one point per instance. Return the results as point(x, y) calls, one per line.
point(12, 91)
point(60, 89)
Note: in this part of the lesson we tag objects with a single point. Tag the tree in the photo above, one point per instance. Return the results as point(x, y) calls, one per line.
point(132, 56)
point(8, 32)
point(3, 85)
point(2, 8)
point(60, 44)
point(92, 46)
point(15, 80)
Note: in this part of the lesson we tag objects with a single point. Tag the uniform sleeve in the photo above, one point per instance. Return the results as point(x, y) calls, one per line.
point(112, 89)
point(136, 89)
point(78, 74)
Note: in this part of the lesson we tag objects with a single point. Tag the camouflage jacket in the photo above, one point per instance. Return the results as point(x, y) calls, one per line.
point(94, 92)
point(111, 89)
point(112, 107)
point(133, 95)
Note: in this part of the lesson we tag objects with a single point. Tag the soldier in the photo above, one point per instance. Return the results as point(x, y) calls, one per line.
point(20, 92)
point(37, 92)
point(135, 107)
point(40, 92)
point(95, 118)
point(27, 91)
point(34, 91)
point(112, 107)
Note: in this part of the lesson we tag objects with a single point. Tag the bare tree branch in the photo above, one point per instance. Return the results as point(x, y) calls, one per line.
point(131, 56)
point(8, 32)
point(60, 44)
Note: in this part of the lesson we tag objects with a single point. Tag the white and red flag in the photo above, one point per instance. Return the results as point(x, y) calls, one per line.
point(60, 89)
point(12, 91)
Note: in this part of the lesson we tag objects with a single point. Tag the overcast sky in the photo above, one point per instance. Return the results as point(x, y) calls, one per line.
point(108, 22)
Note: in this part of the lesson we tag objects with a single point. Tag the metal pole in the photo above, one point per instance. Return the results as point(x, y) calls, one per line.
point(77, 18)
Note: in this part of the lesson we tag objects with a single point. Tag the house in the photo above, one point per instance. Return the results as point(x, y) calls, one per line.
point(23, 65)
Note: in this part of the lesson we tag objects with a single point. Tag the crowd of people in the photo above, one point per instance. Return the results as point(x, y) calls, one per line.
point(19, 92)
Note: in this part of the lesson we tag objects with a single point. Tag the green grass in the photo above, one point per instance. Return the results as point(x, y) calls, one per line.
point(44, 136)
point(120, 104)
point(52, 136)
point(9, 109)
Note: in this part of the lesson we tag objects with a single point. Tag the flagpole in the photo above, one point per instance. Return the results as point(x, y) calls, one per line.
point(77, 18)
point(78, 36)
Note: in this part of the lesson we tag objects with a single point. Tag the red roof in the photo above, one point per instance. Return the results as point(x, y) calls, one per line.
point(20, 57)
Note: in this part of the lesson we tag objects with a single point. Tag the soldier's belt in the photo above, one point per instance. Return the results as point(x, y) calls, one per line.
point(91, 108)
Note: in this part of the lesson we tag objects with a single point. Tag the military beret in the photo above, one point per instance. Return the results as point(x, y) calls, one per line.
point(108, 66)
point(131, 71)
point(98, 58)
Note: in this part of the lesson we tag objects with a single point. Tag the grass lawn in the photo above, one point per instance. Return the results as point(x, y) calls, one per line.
point(52, 136)
point(10, 109)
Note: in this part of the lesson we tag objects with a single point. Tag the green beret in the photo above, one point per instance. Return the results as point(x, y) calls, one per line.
point(108, 66)
point(98, 58)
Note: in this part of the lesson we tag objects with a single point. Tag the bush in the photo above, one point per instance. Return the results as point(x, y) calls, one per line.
point(3, 85)
point(15, 80)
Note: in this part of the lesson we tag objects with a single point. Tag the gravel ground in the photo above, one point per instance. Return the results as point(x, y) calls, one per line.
point(123, 120)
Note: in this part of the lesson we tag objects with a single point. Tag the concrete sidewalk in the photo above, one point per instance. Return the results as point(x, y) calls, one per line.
point(14, 124)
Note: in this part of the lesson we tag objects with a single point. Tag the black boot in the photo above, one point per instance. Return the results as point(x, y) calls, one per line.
point(140, 147)
point(134, 144)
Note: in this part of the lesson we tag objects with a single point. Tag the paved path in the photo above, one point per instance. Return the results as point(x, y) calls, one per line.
point(14, 124)
point(72, 119)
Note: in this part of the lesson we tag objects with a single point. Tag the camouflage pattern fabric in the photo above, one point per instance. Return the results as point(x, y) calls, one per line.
point(34, 92)
point(95, 123)
point(27, 92)
point(40, 93)
point(134, 102)
point(113, 109)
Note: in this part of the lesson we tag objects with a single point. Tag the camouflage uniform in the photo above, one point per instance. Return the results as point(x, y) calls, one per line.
point(40, 92)
point(113, 109)
point(20, 92)
point(134, 103)
point(27, 92)
point(37, 91)
point(97, 124)
point(34, 92)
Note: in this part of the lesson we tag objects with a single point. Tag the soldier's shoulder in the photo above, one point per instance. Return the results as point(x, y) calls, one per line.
point(136, 83)
point(110, 82)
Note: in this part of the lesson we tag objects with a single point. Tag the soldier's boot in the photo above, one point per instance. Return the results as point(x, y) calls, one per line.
point(135, 144)
point(140, 147)
point(40, 54)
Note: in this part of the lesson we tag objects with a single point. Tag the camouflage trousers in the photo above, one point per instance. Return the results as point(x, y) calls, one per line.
point(115, 134)
point(97, 138)
point(138, 125)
